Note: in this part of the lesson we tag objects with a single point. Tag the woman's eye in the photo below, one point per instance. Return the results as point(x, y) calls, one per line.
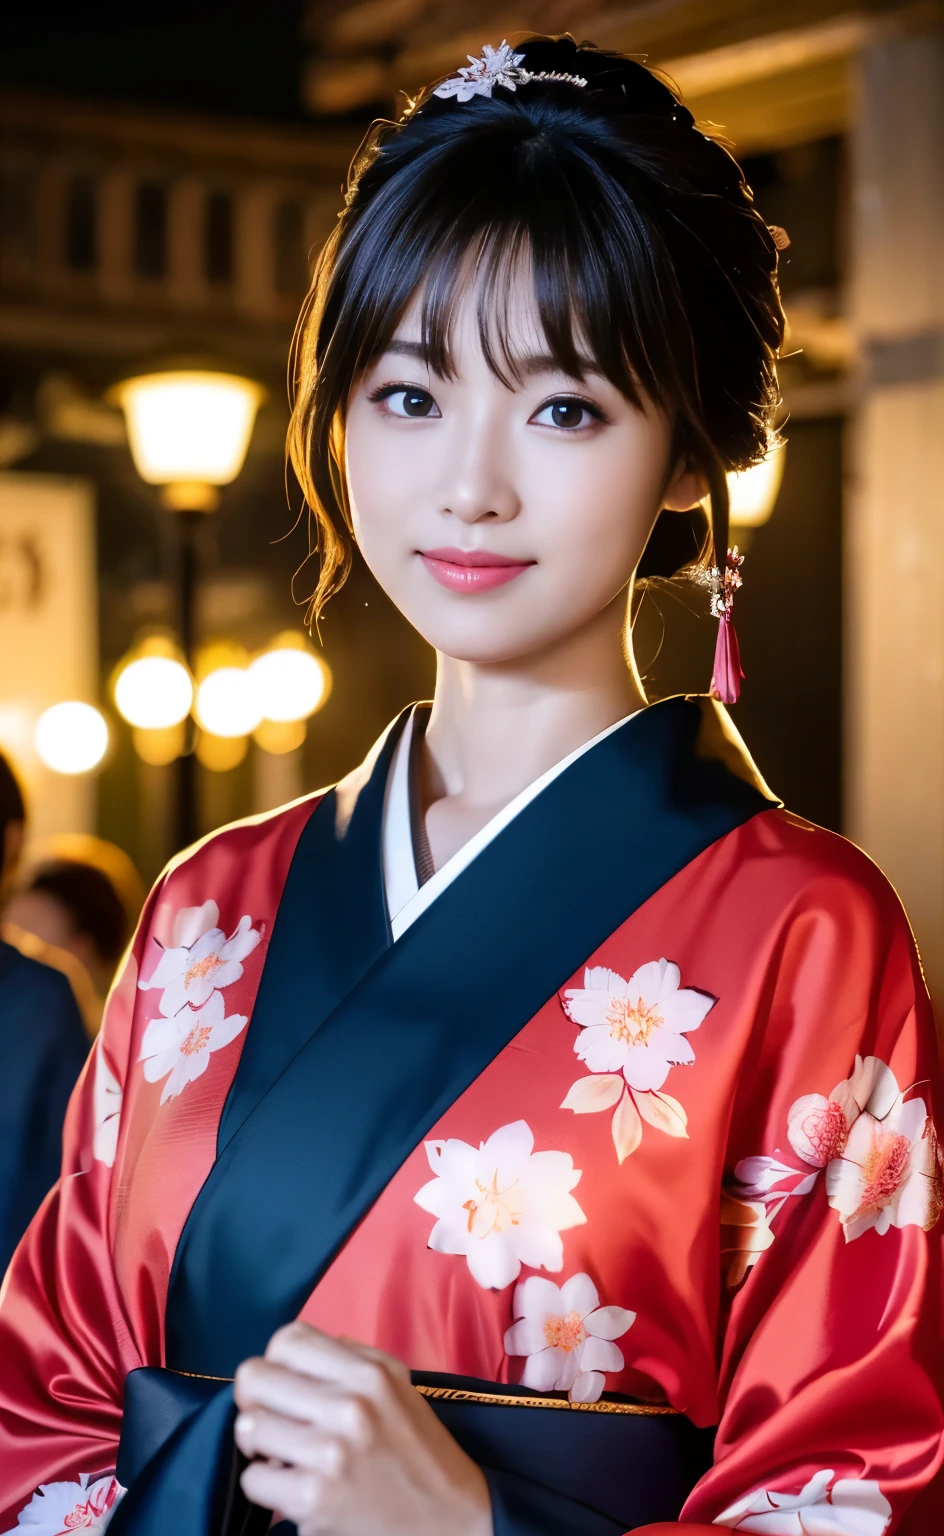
point(408, 401)
point(566, 413)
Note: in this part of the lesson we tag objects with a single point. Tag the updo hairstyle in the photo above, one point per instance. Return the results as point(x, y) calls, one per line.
point(646, 251)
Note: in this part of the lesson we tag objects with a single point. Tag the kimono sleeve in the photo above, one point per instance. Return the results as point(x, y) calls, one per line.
point(65, 1342)
point(830, 1367)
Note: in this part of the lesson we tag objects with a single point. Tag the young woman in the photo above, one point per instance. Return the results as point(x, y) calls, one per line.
point(538, 1124)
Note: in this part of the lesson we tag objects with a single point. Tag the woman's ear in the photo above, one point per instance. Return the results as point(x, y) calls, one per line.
point(688, 485)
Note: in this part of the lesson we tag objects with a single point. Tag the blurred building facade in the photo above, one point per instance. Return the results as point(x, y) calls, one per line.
point(130, 233)
point(125, 232)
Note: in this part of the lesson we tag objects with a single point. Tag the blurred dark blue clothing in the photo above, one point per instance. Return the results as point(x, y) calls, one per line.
point(43, 1045)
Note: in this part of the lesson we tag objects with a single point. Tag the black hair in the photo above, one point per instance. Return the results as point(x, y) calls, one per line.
point(12, 807)
point(645, 247)
point(90, 900)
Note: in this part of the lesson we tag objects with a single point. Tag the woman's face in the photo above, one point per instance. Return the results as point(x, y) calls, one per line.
point(502, 519)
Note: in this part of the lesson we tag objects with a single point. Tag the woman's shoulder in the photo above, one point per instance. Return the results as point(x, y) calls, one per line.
point(244, 863)
point(805, 866)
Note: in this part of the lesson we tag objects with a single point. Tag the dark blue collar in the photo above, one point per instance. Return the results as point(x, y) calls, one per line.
point(351, 1058)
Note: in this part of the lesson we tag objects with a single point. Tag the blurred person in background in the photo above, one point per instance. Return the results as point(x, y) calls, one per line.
point(82, 896)
point(43, 1044)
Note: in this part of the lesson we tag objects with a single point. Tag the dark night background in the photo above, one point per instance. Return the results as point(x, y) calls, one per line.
point(242, 64)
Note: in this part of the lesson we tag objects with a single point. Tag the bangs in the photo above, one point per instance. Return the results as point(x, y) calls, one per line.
point(563, 325)
point(554, 218)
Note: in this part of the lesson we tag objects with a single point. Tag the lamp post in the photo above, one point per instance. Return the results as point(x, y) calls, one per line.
point(189, 431)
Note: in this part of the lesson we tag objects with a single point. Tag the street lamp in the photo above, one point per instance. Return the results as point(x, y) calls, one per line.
point(188, 430)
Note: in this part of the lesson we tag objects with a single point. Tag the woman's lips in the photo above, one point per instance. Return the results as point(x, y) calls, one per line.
point(471, 570)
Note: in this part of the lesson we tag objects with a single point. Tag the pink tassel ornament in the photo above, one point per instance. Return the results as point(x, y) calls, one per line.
point(727, 674)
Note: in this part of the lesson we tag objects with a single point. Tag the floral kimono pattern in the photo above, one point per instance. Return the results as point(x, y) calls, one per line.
point(675, 1156)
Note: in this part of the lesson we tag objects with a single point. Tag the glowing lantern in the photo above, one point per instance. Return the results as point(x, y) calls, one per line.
point(189, 431)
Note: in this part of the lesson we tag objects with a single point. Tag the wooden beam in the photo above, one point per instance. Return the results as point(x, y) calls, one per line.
point(760, 58)
point(793, 108)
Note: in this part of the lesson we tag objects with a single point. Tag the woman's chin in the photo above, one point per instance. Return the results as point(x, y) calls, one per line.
point(487, 642)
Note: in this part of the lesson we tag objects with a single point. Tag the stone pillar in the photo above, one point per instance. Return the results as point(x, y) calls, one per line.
point(186, 283)
point(50, 223)
point(254, 236)
point(895, 528)
point(117, 281)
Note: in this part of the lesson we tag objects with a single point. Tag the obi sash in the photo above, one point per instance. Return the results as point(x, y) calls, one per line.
point(543, 1458)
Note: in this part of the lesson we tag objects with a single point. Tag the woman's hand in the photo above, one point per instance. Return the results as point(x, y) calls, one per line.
point(344, 1445)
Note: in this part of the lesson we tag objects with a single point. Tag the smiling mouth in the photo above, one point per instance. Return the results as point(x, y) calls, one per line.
point(471, 570)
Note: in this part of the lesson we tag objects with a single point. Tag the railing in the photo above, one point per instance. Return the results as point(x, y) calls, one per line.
point(145, 237)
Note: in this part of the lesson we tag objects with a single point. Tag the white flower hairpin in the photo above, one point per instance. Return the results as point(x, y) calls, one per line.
point(496, 66)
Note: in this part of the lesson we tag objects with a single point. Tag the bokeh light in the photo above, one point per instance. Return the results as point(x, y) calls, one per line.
point(161, 746)
point(154, 692)
point(291, 682)
point(227, 703)
point(280, 736)
point(220, 754)
point(71, 737)
point(752, 493)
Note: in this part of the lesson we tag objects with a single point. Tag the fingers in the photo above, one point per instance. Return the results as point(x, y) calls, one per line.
point(314, 1353)
point(297, 1495)
point(273, 1437)
point(261, 1384)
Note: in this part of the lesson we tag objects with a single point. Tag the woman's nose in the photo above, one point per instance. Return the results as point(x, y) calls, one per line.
point(480, 485)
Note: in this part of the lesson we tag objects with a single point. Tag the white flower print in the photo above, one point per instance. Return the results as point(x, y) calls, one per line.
point(818, 1128)
point(181, 1046)
point(758, 1176)
point(636, 1027)
point(198, 962)
point(826, 1506)
point(58, 1508)
point(888, 1174)
point(106, 1109)
point(567, 1336)
point(500, 1204)
point(879, 1151)
point(633, 1033)
point(200, 959)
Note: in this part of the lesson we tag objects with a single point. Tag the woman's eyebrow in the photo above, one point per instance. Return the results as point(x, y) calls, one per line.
point(403, 348)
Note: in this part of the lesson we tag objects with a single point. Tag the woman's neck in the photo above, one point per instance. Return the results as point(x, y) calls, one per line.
point(495, 729)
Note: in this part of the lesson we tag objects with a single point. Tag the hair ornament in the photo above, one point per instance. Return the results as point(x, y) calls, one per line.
point(496, 66)
point(722, 584)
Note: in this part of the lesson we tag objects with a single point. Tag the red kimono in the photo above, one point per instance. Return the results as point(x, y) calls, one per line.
point(625, 1147)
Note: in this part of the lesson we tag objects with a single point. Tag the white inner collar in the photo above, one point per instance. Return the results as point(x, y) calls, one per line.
point(406, 898)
